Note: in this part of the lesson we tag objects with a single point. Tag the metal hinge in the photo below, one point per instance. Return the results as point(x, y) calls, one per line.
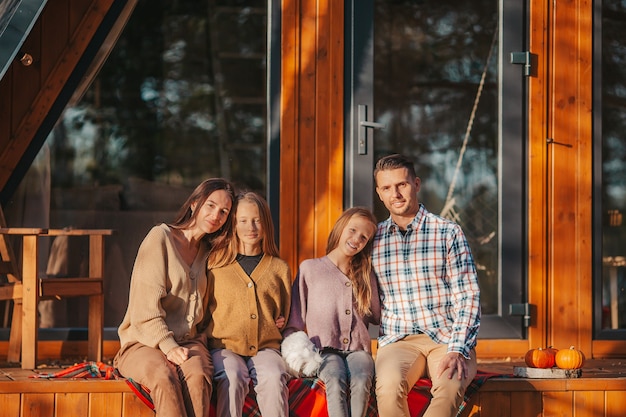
point(523, 58)
point(521, 310)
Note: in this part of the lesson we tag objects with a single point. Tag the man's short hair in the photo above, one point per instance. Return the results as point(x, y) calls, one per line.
point(394, 161)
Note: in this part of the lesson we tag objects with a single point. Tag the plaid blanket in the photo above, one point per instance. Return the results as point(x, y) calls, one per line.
point(306, 395)
point(419, 397)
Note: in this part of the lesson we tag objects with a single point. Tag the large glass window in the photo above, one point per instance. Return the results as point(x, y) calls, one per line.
point(610, 197)
point(180, 98)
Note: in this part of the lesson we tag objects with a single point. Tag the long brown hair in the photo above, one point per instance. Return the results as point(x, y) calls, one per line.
point(186, 216)
point(360, 269)
point(226, 253)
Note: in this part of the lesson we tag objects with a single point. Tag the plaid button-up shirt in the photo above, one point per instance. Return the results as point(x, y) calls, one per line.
point(428, 282)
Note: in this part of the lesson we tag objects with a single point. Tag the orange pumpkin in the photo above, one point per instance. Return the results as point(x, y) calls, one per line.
point(571, 358)
point(552, 350)
point(539, 358)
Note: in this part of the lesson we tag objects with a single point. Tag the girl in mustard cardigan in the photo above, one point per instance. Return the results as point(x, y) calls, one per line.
point(250, 290)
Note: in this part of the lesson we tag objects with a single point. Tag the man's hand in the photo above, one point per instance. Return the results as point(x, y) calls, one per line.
point(453, 362)
point(178, 355)
point(280, 322)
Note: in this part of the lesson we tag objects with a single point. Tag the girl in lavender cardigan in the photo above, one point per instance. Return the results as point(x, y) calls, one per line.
point(334, 299)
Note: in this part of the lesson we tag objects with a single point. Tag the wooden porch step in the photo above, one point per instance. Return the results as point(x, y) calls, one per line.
point(599, 392)
point(21, 396)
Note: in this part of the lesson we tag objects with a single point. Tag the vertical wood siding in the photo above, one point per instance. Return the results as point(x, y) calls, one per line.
point(569, 169)
point(507, 398)
point(545, 404)
point(311, 188)
point(98, 404)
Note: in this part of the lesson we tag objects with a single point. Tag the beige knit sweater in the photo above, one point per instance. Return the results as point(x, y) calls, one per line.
point(167, 298)
point(243, 310)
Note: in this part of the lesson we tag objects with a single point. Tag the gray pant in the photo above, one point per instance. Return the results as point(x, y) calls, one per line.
point(267, 371)
point(347, 374)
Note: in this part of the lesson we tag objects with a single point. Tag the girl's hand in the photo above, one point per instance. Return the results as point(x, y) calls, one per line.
point(178, 355)
point(280, 322)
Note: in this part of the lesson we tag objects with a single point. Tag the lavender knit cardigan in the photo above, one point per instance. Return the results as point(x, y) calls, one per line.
point(323, 305)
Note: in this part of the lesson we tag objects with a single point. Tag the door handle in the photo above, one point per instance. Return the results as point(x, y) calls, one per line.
point(374, 125)
point(364, 124)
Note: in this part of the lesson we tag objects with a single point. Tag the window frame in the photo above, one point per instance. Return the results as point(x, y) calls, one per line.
point(599, 333)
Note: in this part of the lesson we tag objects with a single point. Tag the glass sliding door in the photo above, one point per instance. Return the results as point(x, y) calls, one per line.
point(433, 80)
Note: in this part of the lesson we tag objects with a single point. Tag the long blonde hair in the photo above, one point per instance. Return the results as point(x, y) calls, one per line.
point(226, 253)
point(360, 269)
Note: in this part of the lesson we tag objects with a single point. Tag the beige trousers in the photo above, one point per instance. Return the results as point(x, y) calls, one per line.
point(400, 364)
point(177, 391)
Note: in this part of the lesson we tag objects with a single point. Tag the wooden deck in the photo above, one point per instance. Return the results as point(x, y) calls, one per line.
point(22, 396)
point(599, 392)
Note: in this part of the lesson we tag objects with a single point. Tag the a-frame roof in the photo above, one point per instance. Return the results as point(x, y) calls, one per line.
point(65, 41)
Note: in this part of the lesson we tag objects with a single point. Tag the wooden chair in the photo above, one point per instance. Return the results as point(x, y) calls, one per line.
point(11, 290)
point(25, 288)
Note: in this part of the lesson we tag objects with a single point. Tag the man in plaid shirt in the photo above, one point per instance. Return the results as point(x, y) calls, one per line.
point(429, 298)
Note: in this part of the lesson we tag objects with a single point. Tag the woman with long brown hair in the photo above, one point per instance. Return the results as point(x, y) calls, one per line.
point(161, 347)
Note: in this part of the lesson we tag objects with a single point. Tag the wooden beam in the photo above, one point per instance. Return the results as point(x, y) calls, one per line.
point(41, 90)
point(569, 176)
point(537, 209)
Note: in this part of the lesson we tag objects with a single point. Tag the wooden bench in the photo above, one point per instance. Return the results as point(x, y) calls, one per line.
point(21, 396)
point(600, 392)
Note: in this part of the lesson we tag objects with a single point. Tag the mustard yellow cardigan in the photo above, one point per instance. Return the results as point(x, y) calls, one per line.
point(242, 310)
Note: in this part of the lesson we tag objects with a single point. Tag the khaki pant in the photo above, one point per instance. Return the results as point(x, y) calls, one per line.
point(177, 391)
point(400, 364)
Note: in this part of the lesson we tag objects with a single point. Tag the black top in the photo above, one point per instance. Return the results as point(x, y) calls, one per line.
point(248, 263)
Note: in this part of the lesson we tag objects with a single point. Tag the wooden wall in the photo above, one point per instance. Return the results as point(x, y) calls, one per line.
point(311, 126)
point(545, 398)
point(560, 179)
point(569, 175)
point(506, 397)
point(64, 397)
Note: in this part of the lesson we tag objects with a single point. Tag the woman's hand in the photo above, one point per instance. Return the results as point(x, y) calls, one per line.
point(280, 322)
point(178, 355)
